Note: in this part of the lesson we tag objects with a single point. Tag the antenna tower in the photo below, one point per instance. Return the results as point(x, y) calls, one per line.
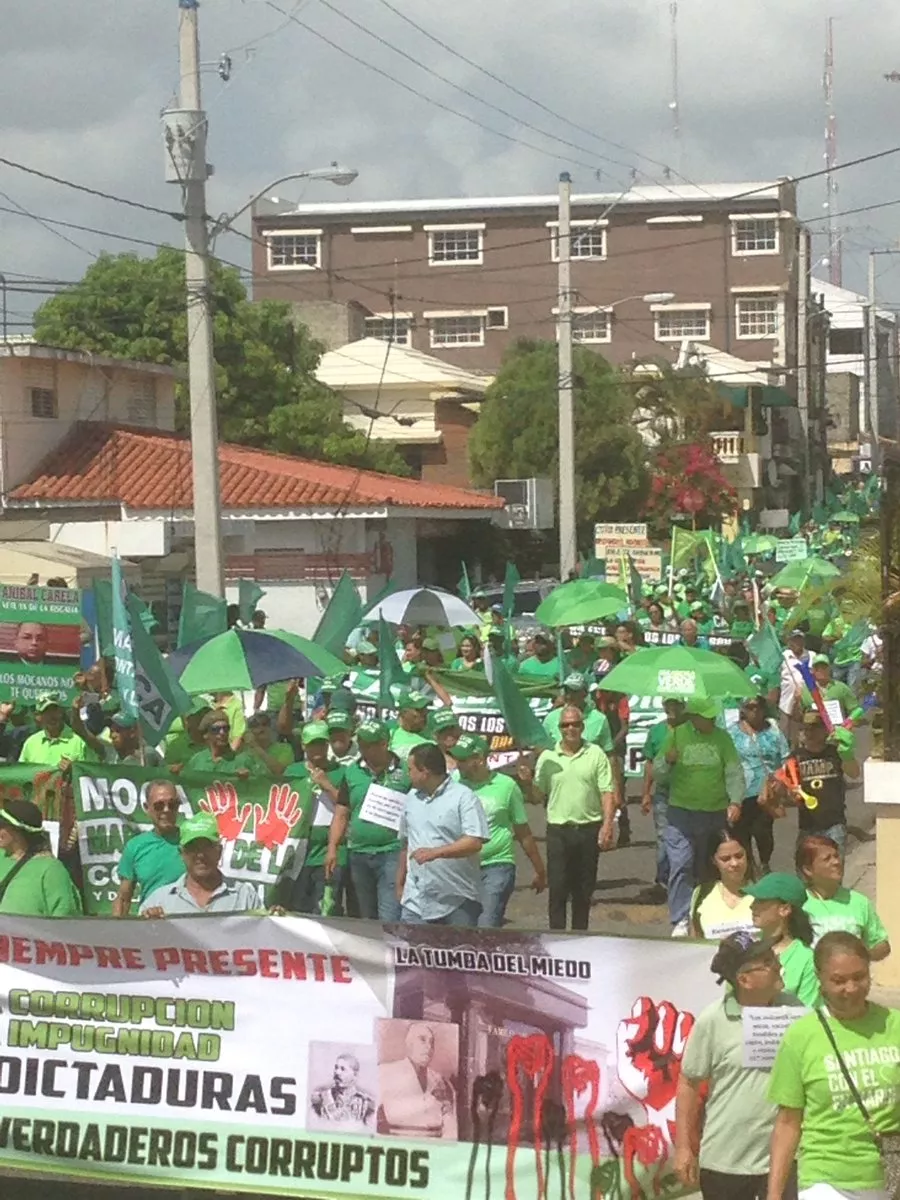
point(674, 103)
point(835, 272)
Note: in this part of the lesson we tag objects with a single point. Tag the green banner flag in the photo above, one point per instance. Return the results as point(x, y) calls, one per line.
point(160, 698)
point(766, 649)
point(249, 595)
point(593, 568)
point(263, 823)
point(202, 616)
point(391, 672)
point(123, 650)
point(684, 546)
point(102, 589)
point(511, 580)
point(464, 587)
point(795, 523)
point(523, 726)
point(341, 616)
point(850, 643)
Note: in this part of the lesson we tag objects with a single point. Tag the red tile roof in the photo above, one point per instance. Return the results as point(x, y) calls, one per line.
point(152, 470)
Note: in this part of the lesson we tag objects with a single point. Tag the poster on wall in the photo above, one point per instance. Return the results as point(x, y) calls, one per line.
point(40, 640)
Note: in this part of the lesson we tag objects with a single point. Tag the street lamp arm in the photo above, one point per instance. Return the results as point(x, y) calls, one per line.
point(341, 176)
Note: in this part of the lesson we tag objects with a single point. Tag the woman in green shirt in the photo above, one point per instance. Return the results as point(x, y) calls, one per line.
point(817, 1111)
point(33, 883)
point(830, 906)
point(469, 655)
point(778, 914)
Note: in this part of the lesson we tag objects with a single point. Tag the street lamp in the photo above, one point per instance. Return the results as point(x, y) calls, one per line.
point(338, 175)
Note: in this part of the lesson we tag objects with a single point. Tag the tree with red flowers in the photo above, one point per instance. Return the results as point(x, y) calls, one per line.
point(686, 478)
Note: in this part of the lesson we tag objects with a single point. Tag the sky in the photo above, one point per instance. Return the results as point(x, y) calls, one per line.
point(82, 85)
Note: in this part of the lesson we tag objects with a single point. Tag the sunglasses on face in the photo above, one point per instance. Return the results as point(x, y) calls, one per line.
point(165, 806)
point(571, 724)
point(219, 728)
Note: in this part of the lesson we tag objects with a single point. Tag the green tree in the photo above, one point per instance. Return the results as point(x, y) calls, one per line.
point(679, 405)
point(267, 392)
point(517, 432)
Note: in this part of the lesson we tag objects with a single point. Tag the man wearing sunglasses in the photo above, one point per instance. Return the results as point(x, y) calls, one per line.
point(152, 859)
point(219, 757)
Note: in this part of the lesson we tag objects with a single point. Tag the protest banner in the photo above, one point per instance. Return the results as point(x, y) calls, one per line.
point(644, 712)
point(342, 1060)
point(791, 550)
point(263, 823)
point(620, 536)
point(40, 640)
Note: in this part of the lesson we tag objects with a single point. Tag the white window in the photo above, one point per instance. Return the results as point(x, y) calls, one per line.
point(295, 250)
point(455, 244)
point(587, 239)
point(754, 235)
point(457, 331)
point(381, 327)
point(43, 403)
point(756, 316)
point(593, 326)
point(674, 324)
point(498, 318)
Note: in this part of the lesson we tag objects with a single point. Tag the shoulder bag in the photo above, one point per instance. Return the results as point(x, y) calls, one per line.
point(888, 1143)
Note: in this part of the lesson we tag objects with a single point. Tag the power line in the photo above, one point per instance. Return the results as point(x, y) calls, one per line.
point(81, 187)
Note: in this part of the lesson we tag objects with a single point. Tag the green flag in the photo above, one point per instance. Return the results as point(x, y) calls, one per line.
point(852, 640)
point(684, 546)
point(872, 491)
point(510, 582)
point(391, 673)
point(795, 523)
point(766, 649)
point(103, 602)
point(464, 587)
point(160, 698)
point(593, 568)
point(820, 514)
point(524, 727)
point(249, 595)
point(341, 616)
point(635, 584)
point(737, 561)
point(202, 615)
point(126, 682)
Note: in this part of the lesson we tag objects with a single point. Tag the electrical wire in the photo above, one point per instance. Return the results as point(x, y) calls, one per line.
point(81, 187)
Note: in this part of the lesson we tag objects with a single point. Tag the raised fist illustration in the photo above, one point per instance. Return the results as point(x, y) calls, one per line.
point(649, 1048)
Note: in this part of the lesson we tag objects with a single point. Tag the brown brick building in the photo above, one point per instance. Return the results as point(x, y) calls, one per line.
point(466, 277)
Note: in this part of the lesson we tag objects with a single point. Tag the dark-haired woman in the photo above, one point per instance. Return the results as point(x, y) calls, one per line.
point(720, 906)
point(469, 655)
point(830, 906)
point(778, 914)
point(33, 883)
point(848, 1040)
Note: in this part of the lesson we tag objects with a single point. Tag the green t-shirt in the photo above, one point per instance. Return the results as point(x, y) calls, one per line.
point(835, 1146)
point(533, 668)
point(596, 727)
point(229, 765)
point(281, 752)
point(847, 911)
point(738, 1116)
point(574, 784)
point(151, 861)
point(365, 837)
point(177, 746)
point(798, 973)
point(41, 750)
point(317, 846)
point(708, 774)
point(656, 736)
point(42, 888)
point(402, 741)
point(504, 806)
point(835, 690)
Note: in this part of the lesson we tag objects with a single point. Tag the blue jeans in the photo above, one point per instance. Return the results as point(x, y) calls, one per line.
point(660, 811)
point(464, 917)
point(497, 885)
point(686, 839)
point(375, 879)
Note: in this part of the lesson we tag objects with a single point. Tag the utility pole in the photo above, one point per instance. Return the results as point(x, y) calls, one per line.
point(567, 542)
point(807, 487)
point(835, 269)
point(186, 129)
point(872, 413)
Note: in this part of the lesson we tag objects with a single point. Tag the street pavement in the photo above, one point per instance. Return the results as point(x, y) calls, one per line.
point(624, 875)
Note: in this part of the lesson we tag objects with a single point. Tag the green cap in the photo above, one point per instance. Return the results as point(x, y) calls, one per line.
point(341, 700)
point(47, 700)
point(315, 731)
point(607, 643)
point(123, 720)
point(200, 825)
point(406, 698)
point(821, 660)
point(339, 720)
point(778, 886)
point(703, 708)
point(444, 718)
point(468, 745)
point(366, 647)
point(430, 643)
point(575, 682)
point(373, 731)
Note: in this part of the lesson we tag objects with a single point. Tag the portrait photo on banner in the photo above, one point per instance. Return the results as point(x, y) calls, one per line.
point(418, 1078)
point(343, 1087)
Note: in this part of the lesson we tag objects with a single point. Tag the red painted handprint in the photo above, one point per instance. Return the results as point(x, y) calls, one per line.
point(649, 1048)
point(274, 824)
point(222, 801)
point(532, 1058)
point(580, 1075)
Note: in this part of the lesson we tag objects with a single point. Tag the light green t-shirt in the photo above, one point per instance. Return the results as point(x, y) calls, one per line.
point(402, 741)
point(847, 911)
point(708, 774)
point(715, 918)
point(540, 671)
point(42, 888)
point(504, 806)
point(596, 727)
point(738, 1116)
point(798, 973)
point(203, 761)
point(365, 837)
point(574, 784)
point(835, 1146)
point(41, 750)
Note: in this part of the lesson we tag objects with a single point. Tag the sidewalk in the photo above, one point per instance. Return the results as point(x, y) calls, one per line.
point(859, 875)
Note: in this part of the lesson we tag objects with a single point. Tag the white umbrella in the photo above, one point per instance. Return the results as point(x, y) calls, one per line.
point(424, 606)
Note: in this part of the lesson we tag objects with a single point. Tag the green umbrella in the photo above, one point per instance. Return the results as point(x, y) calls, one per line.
point(845, 518)
point(680, 671)
point(245, 659)
point(580, 602)
point(806, 572)
point(759, 543)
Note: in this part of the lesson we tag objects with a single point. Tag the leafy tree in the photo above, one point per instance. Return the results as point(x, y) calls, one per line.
point(687, 478)
point(679, 404)
point(517, 432)
point(267, 392)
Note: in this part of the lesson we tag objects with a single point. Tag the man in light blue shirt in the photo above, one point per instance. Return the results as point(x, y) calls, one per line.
point(444, 829)
point(203, 888)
